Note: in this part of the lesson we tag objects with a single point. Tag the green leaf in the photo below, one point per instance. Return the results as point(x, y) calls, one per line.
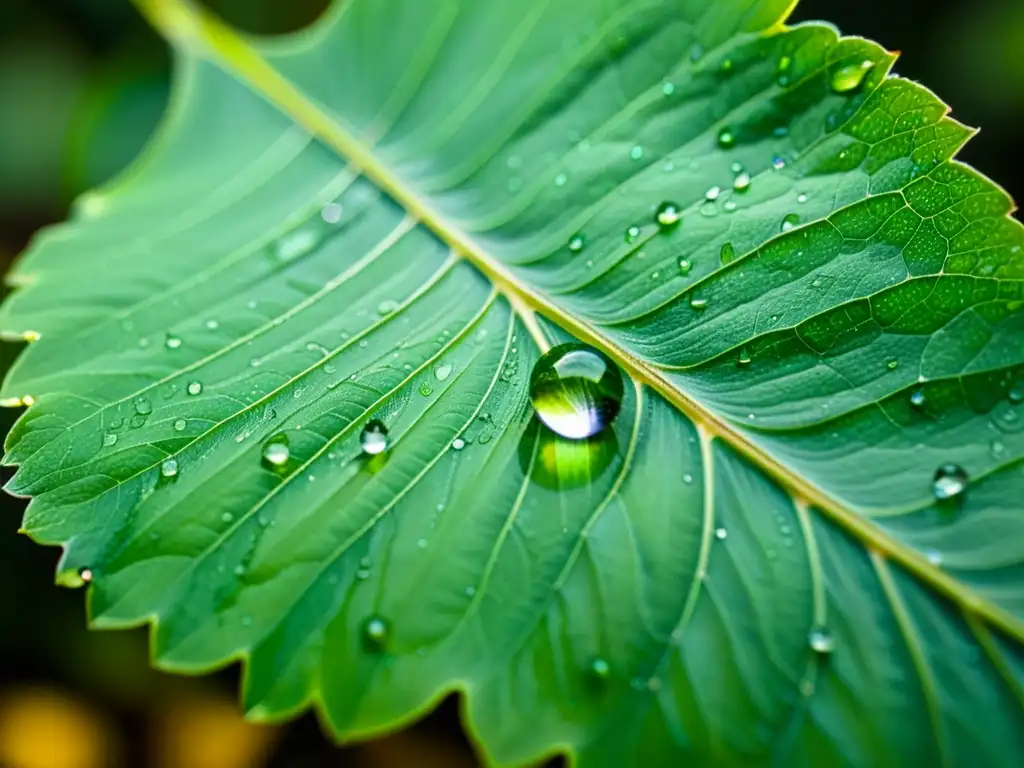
point(388, 217)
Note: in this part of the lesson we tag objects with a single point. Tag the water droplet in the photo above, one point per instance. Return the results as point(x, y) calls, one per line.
point(744, 358)
point(276, 451)
point(790, 221)
point(712, 194)
point(1016, 394)
point(85, 574)
point(636, 153)
point(778, 162)
point(374, 438)
point(331, 213)
point(561, 179)
point(892, 364)
point(726, 138)
point(212, 325)
point(668, 89)
point(458, 444)
point(576, 391)
point(782, 70)
point(632, 233)
point(443, 371)
point(934, 557)
point(194, 387)
point(918, 398)
point(109, 439)
point(600, 669)
point(721, 534)
point(806, 687)
point(727, 65)
point(669, 166)
point(169, 468)
point(821, 641)
point(296, 244)
point(172, 342)
point(950, 482)
point(386, 307)
point(142, 406)
point(727, 254)
point(742, 182)
point(576, 242)
point(801, 198)
point(699, 304)
point(375, 632)
point(668, 216)
point(849, 78)
point(685, 266)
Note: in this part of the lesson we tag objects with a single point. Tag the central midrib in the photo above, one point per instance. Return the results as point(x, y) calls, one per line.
point(179, 21)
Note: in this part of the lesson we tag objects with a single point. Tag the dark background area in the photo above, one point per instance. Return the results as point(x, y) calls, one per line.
point(82, 84)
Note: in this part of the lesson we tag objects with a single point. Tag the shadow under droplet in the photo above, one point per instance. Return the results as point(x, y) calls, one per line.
point(560, 464)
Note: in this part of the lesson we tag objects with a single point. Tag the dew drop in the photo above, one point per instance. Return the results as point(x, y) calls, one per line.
point(194, 387)
point(576, 242)
point(744, 359)
point(561, 179)
point(668, 216)
point(458, 444)
point(801, 198)
point(821, 641)
point(386, 307)
point(1016, 394)
point(374, 438)
point(600, 669)
point(699, 304)
point(375, 633)
point(790, 221)
point(934, 557)
point(331, 213)
point(577, 391)
point(849, 78)
point(726, 138)
point(778, 162)
point(85, 574)
point(276, 451)
point(742, 182)
point(109, 439)
point(667, 89)
point(712, 194)
point(636, 153)
point(721, 534)
point(169, 468)
point(172, 342)
point(918, 399)
point(727, 254)
point(443, 371)
point(142, 406)
point(632, 233)
point(892, 364)
point(950, 482)
point(296, 244)
point(685, 265)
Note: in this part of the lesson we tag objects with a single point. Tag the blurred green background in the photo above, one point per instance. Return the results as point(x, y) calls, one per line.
point(82, 84)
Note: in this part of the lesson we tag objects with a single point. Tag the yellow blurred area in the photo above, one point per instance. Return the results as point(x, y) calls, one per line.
point(209, 732)
point(40, 728)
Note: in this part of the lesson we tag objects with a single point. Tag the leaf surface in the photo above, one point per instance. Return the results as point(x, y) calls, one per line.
point(389, 217)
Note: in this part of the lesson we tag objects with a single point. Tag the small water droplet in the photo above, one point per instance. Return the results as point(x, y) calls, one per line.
point(950, 482)
point(374, 438)
point(790, 222)
point(849, 78)
point(576, 391)
point(801, 198)
point(892, 364)
point(331, 213)
point(687, 478)
point(276, 451)
point(1016, 393)
point(443, 371)
point(806, 687)
point(918, 398)
point(143, 406)
point(778, 162)
point(577, 242)
point(600, 669)
point(685, 266)
point(561, 179)
point(194, 387)
point(85, 574)
point(712, 194)
point(375, 632)
point(699, 304)
point(212, 325)
point(721, 534)
point(109, 439)
point(386, 307)
point(668, 216)
point(172, 342)
point(727, 254)
point(821, 641)
point(782, 70)
point(296, 244)
point(744, 358)
point(726, 138)
point(669, 166)
point(458, 444)
point(636, 153)
point(667, 89)
point(742, 182)
point(632, 233)
point(169, 468)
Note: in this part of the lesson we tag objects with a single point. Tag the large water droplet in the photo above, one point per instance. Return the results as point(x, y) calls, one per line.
point(276, 452)
point(712, 194)
point(374, 438)
point(576, 242)
point(950, 482)
point(849, 78)
point(375, 632)
point(109, 439)
point(576, 391)
point(821, 641)
point(194, 387)
point(142, 406)
point(742, 182)
point(169, 468)
point(668, 216)
point(443, 371)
